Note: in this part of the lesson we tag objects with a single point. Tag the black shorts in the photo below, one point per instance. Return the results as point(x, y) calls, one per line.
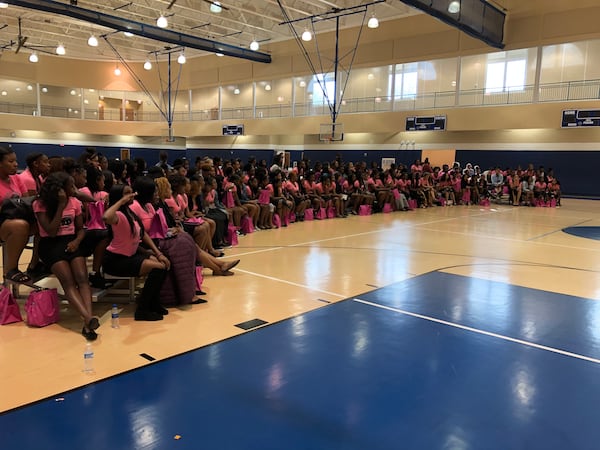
point(54, 249)
point(124, 266)
point(91, 240)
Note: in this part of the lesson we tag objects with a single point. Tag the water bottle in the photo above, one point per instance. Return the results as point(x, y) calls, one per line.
point(114, 317)
point(88, 358)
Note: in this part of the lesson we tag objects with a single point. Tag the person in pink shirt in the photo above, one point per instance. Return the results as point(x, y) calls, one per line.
point(37, 169)
point(292, 187)
point(13, 232)
point(125, 257)
point(60, 224)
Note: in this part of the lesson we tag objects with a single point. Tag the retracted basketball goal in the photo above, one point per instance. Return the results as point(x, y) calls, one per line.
point(331, 132)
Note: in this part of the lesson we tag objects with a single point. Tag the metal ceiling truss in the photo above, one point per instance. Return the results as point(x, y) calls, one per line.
point(142, 29)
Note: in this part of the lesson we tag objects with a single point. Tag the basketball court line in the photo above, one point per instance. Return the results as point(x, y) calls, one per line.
point(483, 332)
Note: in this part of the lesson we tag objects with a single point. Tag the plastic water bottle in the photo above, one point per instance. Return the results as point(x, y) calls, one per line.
point(88, 358)
point(114, 317)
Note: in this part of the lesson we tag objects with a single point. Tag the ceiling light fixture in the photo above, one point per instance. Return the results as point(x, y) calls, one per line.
point(254, 45)
point(454, 7)
point(267, 87)
point(93, 41)
point(60, 50)
point(373, 22)
point(162, 22)
point(236, 91)
point(215, 7)
point(306, 36)
point(117, 71)
point(181, 58)
point(147, 65)
point(33, 57)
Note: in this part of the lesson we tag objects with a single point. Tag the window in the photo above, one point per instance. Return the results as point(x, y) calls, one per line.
point(406, 81)
point(504, 73)
point(317, 84)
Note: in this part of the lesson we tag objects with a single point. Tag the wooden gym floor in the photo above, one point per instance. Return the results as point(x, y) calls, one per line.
point(466, 257)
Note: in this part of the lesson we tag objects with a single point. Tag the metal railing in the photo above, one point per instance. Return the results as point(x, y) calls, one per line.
point(552, 92)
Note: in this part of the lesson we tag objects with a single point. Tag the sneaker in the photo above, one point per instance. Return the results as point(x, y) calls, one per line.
point(97, 280)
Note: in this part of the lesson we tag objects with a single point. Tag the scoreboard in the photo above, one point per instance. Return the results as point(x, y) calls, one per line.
point(233, 130)
point(426, 123)
point(573, 118)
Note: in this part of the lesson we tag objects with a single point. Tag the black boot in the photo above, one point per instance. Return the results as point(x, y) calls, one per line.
point(149, 299)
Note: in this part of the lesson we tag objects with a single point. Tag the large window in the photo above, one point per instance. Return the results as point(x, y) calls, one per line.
point(506, 72)
point(323, 82)
point(406, 81)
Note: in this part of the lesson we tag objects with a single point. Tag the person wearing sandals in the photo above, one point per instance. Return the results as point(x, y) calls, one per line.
point(60, 223)
point(125, 257)
point(14, 233)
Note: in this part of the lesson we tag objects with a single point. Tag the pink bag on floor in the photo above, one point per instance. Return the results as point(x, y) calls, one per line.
point(9, 310)
point(95, 213)
point(466, 197)
point(276, 220)
point(232, 237)
point(387, 208)
point(199, 278)
point(291, 217)
point(484, 202)
point(396, 193)
point(331, 212)
point(42, 307)
point(364, 210)
point(321, 214)
point(552, 203)
point(247, 225)
point(309, 214)
point(412, 203)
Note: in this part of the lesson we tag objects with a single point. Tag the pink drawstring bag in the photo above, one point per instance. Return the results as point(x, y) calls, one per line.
point(412, 203)
point(276, 221)
point(158, 226)
point(552, 203)
point(291, 217)
point(364, 210)
point(396, 193)
point(330, 212)
point(264, 198)
point(232, 237)
point(9, 310)
point(321, 214)
point(42, 307)
point(387, 208)
point(309, 214)
point(228, 200)
point(466, 197)
point(194, 221)
point(95, 213)
point(247, 225)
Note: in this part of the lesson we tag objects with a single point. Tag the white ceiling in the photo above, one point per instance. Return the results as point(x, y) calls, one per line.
point(238, 24)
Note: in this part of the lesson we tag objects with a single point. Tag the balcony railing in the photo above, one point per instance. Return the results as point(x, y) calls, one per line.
point(552, 92)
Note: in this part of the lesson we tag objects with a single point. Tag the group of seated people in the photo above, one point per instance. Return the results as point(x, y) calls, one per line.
point(80, 210)
point(132, 219)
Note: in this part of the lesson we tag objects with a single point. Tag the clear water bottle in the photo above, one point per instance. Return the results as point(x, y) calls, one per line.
point(88, 358)
point(114, 317)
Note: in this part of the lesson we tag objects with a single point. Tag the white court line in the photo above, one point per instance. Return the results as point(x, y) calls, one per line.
point(486, 333)
point(254, 252)
point(289, 282)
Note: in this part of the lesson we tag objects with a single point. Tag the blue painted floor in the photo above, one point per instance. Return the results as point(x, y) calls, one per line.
point(356, 376)
point(584, 232)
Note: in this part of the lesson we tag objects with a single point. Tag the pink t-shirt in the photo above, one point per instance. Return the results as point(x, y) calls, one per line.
point(145, 215)
point(12, 187)
point(291, 187)
point(27, 181)
point(123, 241)
point(67, 224)
point(174, 206)
point(100, 196)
